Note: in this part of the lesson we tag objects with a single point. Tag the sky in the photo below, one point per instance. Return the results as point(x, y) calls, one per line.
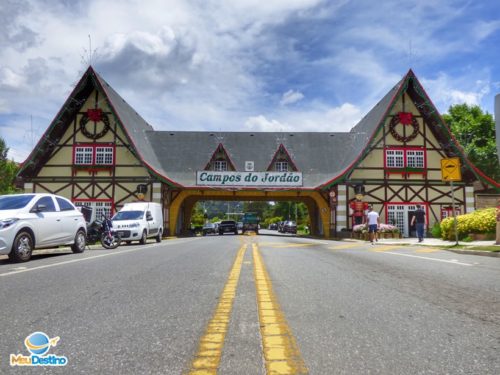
point(242, 65)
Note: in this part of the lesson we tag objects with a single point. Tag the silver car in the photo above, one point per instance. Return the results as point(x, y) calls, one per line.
point(29, 221)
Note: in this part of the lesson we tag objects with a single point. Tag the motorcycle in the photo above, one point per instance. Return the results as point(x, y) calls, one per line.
point(102, 230)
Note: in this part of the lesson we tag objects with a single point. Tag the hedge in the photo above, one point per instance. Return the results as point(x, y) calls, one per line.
point(480, 221)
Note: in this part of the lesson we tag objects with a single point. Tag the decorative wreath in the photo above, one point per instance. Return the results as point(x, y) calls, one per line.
point(94, 115)
point(405, 119)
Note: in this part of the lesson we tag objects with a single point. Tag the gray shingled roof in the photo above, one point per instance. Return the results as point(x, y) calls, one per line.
point(177, 155)
point(319, 156)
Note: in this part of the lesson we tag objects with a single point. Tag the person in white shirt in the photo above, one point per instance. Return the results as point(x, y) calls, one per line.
point(373, 221)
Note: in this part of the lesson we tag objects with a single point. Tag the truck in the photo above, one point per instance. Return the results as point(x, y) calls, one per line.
point(250, 222)
point(138, 221)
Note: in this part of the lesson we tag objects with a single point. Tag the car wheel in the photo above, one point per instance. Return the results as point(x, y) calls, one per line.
point(235, 232)
point(22, 247)
point(144, 238)
point(220, 233)
point(158, 236)
point(204, 233)
point(80, 242)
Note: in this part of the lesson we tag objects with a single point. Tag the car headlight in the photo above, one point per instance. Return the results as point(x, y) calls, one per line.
point(5, 223)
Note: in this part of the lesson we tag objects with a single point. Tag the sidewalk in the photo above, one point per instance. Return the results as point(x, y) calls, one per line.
point(473, 247)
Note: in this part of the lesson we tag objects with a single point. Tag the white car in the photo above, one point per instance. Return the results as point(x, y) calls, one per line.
point(29, 221)
point(137, 221)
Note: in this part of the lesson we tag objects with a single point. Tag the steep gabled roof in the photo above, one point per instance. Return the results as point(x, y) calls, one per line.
point(220, 150)
point(442, 132)
point(282, 150)
point(133, 124)
point(365, 131)
point(374, 122)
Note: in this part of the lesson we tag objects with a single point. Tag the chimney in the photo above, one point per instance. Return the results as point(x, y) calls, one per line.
point(497, 122)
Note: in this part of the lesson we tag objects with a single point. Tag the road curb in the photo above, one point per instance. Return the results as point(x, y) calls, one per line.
point(475, 252)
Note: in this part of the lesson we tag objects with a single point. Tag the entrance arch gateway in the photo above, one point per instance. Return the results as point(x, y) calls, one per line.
point(184, 202)
point(99, 150)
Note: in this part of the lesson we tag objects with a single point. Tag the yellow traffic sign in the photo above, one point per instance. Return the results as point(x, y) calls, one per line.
point(450, 169)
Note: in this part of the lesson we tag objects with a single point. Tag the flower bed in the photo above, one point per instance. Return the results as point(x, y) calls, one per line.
point(360, 231)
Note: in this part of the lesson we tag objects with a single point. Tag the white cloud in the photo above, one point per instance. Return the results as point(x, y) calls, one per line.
point(10, 79)
point(227, 65)
point(320, 119)
point(483, 29)
point(262, 124)
point(445, 91)
point(291, 97)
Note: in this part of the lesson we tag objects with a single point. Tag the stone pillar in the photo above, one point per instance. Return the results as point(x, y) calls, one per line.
point(166, 200)
point(469, 199)
point(341, 207)
point(156, 194)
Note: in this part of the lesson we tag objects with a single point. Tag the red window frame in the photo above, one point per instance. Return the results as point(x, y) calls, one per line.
point(94, 147)
point(405, 169)
point(449, 211)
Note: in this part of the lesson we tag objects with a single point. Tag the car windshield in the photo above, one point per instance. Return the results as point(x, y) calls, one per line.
point(14, 202)
point(128, 215)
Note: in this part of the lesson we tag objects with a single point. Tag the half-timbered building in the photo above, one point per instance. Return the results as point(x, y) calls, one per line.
point(99, 152)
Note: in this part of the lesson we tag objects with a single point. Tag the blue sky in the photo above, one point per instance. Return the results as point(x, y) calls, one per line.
point(277, 65)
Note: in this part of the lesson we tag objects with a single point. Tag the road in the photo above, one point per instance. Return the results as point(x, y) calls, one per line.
point(256, 305)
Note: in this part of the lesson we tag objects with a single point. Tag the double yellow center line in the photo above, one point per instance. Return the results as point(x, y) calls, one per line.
point(281, 353)
point(209, 353)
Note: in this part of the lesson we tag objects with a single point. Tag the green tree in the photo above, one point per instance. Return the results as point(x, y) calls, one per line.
point(290, 210)
point(197, 216)
point(8, 170)
point(475, 131)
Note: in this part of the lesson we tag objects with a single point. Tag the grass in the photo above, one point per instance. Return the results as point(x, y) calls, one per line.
point(494, 248)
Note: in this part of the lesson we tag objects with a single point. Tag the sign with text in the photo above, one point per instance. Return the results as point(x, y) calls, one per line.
point(269, 179)
point(450, 169)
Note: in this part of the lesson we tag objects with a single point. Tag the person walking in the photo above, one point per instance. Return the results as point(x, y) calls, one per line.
point(373, 221)
point(419, 218)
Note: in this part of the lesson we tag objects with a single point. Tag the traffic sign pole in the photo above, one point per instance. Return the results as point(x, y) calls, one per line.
point(454, 213)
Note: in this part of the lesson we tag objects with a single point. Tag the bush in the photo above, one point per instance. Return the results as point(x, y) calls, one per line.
point(436, 230)
point(480, 221)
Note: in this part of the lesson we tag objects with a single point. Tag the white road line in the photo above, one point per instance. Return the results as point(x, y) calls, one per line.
point(89, 258)
point(453, 261)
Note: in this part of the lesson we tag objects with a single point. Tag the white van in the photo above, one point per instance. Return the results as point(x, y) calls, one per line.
point(139, 221)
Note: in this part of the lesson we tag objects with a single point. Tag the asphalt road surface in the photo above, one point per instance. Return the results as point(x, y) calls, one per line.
point(254, 305)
